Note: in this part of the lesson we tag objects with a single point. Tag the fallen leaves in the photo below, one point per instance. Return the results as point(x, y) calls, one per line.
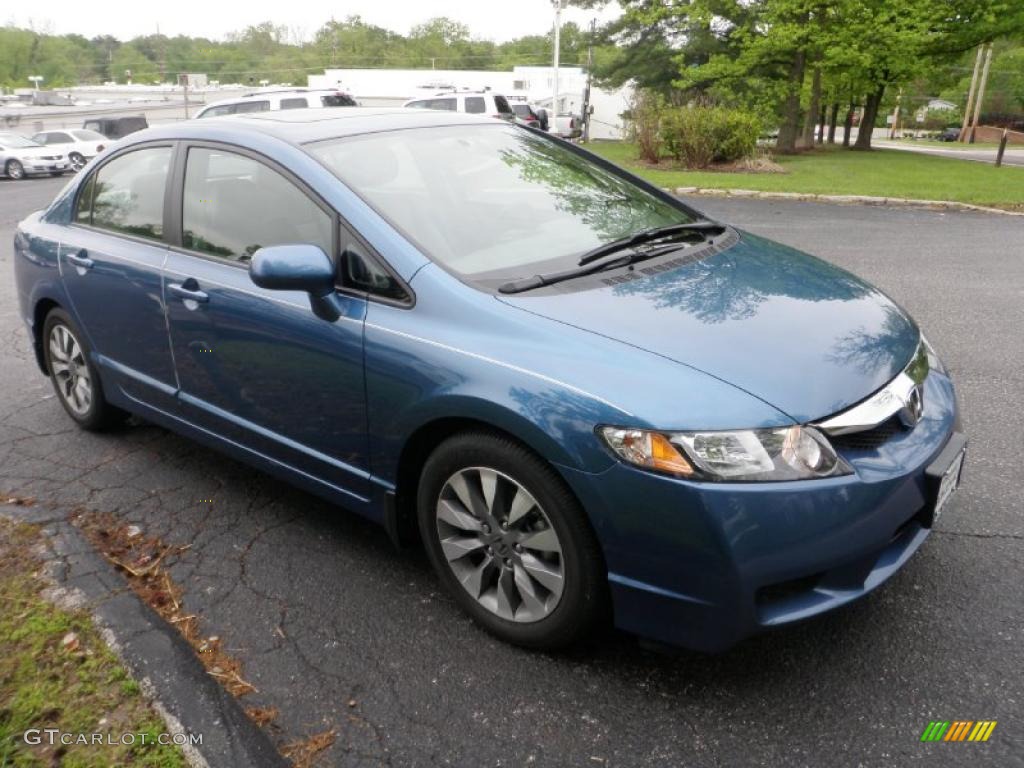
point(304, 752)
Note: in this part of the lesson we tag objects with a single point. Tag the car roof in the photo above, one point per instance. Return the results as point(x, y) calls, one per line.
point(301, 126)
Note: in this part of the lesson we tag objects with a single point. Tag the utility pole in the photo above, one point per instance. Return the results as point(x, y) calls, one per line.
point(590, 78)
point(558, 43)
point(896, 114)
point(981, 93)
point(183, 80)
point(970, 94)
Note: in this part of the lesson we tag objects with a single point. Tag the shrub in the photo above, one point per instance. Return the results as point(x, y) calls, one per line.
point(644, 123)
point(699, 136)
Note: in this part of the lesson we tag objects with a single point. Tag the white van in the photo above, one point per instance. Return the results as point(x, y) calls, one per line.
point(270, 101)
point(473, 102)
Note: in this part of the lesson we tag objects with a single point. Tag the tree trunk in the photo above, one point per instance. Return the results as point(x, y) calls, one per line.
point(832, 122)
point(848, 122)
point(806, 140)
point(790, 125)
point(822, 121)
point(867, 123)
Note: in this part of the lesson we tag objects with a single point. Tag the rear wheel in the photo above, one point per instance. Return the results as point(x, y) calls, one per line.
point(14, 170)
point(510, 542)
point(74, 377)
point(77, 161)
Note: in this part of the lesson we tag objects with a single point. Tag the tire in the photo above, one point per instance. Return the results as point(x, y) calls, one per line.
point(77, 161)
point(74, 376)
point(14, 170)
point(56, 173)
point(509, 579)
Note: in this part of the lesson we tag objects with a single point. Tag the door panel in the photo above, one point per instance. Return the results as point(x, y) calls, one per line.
point(260, 368)
point(114, 277)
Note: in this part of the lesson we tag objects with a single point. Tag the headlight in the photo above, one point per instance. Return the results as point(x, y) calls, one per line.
point(934, 363)
point(783, 453)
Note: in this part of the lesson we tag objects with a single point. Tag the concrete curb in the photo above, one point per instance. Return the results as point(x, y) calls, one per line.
point(173, 679)
point(840, 199)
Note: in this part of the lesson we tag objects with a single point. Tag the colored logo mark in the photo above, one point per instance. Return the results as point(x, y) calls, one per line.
point(958, 730)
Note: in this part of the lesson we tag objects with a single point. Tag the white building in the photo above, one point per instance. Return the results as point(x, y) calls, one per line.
point(393, 87)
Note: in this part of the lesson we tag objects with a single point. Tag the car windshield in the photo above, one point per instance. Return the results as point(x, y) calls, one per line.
point(14, 141)
point(493, 201)
point(84, 135)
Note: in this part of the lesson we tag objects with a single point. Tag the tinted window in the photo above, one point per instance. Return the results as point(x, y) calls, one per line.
point(475, 104)
point(299, 103)
point(223, 109)
point(448, 105)
point(94, 125)
point(250, 106)
point(523, 110)
point(502, 104)
point(338, 100)
point(493, 199)
point(129, 193)
point(234, 205)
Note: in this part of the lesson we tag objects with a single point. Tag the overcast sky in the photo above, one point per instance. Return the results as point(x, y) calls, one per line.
point(497, 21)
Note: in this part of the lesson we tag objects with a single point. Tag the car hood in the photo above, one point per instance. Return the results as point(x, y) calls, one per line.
point(805, 336)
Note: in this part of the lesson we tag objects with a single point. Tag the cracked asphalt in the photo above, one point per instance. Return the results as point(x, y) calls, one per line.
point(337, 630)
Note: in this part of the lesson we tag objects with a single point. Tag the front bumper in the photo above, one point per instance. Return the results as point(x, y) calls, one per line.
point(45, 166)
point(703, 565)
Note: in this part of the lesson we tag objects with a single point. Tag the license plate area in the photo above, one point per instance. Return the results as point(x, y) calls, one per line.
point(943, 476)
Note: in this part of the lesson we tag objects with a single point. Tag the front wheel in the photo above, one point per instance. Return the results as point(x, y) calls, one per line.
point(74, 377)
point(14, 170)
point(510, 542)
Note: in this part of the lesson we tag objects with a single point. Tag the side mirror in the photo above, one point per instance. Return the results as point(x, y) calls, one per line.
point(298, 268)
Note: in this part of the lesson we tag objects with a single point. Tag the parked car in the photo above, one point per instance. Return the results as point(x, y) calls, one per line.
point(271, 101)
point(578, 392)
point(21, 157)
point(78, 144)
point(116, 127)
point(949, 134)
point(535, 118)
point(471, 102)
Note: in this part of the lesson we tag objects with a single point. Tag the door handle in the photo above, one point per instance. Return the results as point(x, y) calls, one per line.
point(188, 294)
point(80, 259)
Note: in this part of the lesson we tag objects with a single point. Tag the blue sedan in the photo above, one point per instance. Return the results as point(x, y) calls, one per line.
point(582, 397)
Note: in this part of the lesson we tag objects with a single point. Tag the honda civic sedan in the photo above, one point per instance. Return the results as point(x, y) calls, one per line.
point(583, 398)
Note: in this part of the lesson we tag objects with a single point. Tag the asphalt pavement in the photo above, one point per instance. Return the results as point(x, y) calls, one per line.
point(337, 630)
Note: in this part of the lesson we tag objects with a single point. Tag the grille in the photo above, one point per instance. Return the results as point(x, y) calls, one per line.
point(870, 439)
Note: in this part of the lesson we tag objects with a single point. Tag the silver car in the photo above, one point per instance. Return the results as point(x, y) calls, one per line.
point(21, 157)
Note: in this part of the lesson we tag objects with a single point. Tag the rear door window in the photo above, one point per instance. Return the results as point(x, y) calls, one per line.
point(127, 194)
point(475, 104)
point(294, 103)
point(234, 205)
point(244, 107)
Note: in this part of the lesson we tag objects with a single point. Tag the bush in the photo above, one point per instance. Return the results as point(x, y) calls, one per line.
point(644, 124)
point(699, 136)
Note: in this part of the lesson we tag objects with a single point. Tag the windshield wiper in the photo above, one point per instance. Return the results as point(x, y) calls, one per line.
point(646, 236)
point(591, 261)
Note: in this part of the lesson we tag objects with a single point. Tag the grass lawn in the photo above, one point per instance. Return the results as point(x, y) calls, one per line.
point(56, 672)
point(837, 171)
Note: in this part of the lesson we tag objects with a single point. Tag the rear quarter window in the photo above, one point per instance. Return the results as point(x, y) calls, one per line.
point(475, 105)
point(338, 100)
point(295, 103)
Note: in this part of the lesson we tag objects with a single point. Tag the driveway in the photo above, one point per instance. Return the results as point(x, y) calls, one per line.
point(337, 630)
point(1012, 156)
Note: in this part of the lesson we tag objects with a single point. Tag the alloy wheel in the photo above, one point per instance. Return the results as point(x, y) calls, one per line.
point(15, 170)
point(70, 370)
point(500, 544)
point(77, 162)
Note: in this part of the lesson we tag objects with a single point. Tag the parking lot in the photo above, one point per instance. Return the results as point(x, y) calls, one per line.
point(337, 630)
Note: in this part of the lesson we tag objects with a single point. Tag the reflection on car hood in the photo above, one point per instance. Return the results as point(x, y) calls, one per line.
point(801, 334)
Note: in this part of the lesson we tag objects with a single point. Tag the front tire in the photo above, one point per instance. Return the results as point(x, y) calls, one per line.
point(75, 378)
point(14, 170)
point(510, 542)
